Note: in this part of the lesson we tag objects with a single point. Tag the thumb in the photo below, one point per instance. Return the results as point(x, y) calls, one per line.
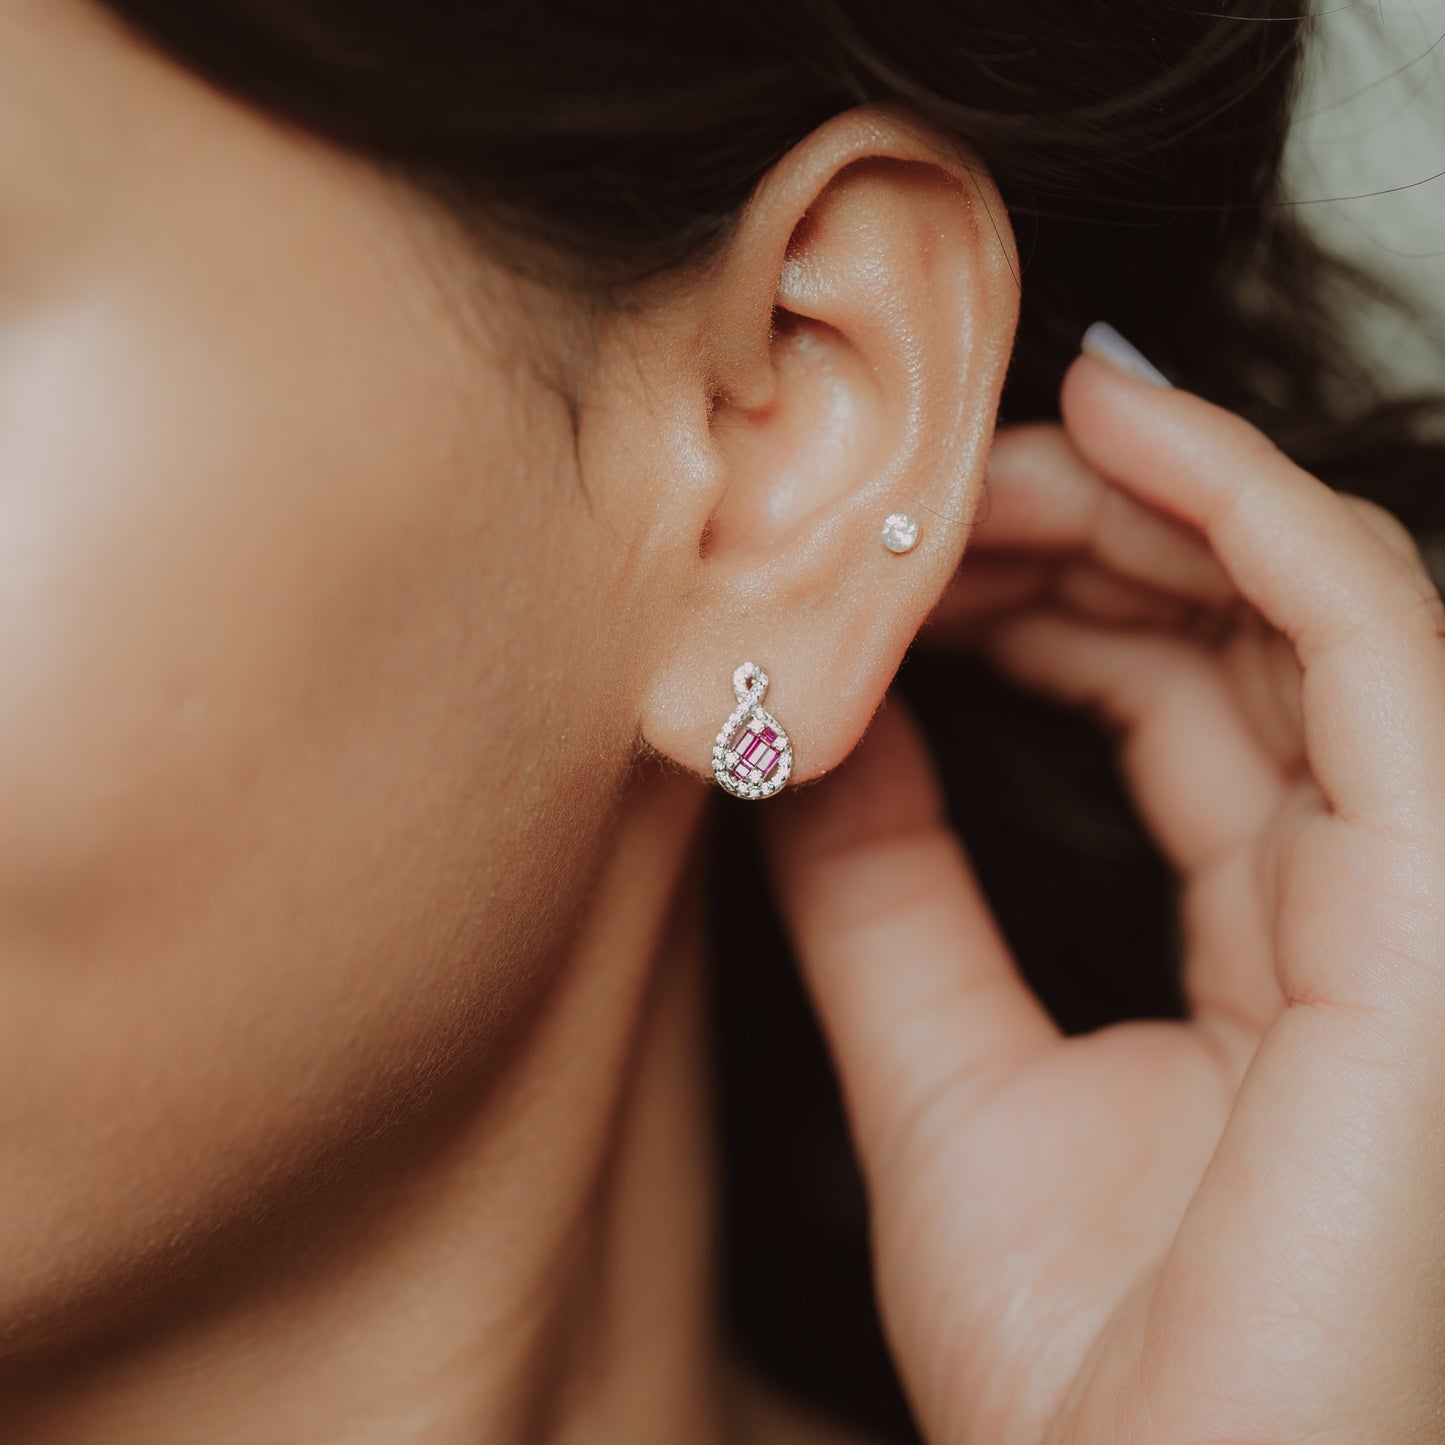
point(918, 995)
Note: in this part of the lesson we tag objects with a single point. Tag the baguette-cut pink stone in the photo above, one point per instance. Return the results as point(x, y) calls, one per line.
point(756, 748)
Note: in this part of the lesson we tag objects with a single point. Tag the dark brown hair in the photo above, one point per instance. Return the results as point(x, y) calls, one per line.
point(1137, 144)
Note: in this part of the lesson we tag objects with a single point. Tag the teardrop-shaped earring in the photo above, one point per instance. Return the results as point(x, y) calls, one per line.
point(751, 757)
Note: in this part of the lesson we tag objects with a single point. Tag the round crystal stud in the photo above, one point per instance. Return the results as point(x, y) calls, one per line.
point(900, 532)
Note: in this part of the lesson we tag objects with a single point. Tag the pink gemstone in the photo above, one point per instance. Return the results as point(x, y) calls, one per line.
point(755, 746)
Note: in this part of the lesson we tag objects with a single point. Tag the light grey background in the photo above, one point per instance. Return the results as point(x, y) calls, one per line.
point(1370, 132)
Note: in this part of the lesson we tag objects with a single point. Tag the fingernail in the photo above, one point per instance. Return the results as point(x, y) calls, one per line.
point(1105, 344)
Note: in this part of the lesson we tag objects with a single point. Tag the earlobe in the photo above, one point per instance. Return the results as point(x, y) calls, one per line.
point(850, 351)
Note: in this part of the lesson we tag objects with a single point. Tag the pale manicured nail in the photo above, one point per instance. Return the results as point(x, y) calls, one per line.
point(1105, 344)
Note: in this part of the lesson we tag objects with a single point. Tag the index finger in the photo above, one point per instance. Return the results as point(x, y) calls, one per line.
point(1364, 618)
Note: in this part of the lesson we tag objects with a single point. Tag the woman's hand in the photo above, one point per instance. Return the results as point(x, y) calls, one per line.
point(1228, 1229)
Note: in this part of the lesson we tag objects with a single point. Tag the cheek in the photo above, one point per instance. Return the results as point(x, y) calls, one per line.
point(267, 829)
point(205, 573)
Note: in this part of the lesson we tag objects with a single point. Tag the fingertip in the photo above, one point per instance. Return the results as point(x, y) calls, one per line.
point(1096, 397)
point(1090, 381)
point(1171, 448)
point(1103, 343)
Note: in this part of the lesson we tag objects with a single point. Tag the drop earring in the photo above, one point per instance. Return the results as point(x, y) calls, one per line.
point(751, 756)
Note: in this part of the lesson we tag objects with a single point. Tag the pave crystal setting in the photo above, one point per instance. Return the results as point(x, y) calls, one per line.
point(751, 755)
point(900, 532)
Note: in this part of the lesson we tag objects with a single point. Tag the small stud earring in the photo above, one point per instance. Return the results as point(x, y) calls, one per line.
point(751, 756)
point(900, 532)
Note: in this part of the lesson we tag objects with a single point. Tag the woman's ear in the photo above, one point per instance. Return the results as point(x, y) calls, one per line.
point(841, 361)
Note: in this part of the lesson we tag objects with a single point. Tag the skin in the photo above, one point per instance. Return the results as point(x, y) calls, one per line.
point(352, 1083)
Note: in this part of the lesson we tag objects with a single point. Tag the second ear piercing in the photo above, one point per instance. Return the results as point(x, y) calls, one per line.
point(900, 532)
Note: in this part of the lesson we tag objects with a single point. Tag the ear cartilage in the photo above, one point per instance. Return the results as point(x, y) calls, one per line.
point(751, 756)
point(900, 532)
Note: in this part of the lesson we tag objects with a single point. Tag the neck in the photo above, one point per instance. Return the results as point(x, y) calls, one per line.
point(544, 1277)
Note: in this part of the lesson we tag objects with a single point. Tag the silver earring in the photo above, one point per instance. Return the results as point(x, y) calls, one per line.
point(900, 532)
point(751, 757)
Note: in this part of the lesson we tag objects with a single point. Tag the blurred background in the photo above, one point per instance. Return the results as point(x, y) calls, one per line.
point(1367, 163)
